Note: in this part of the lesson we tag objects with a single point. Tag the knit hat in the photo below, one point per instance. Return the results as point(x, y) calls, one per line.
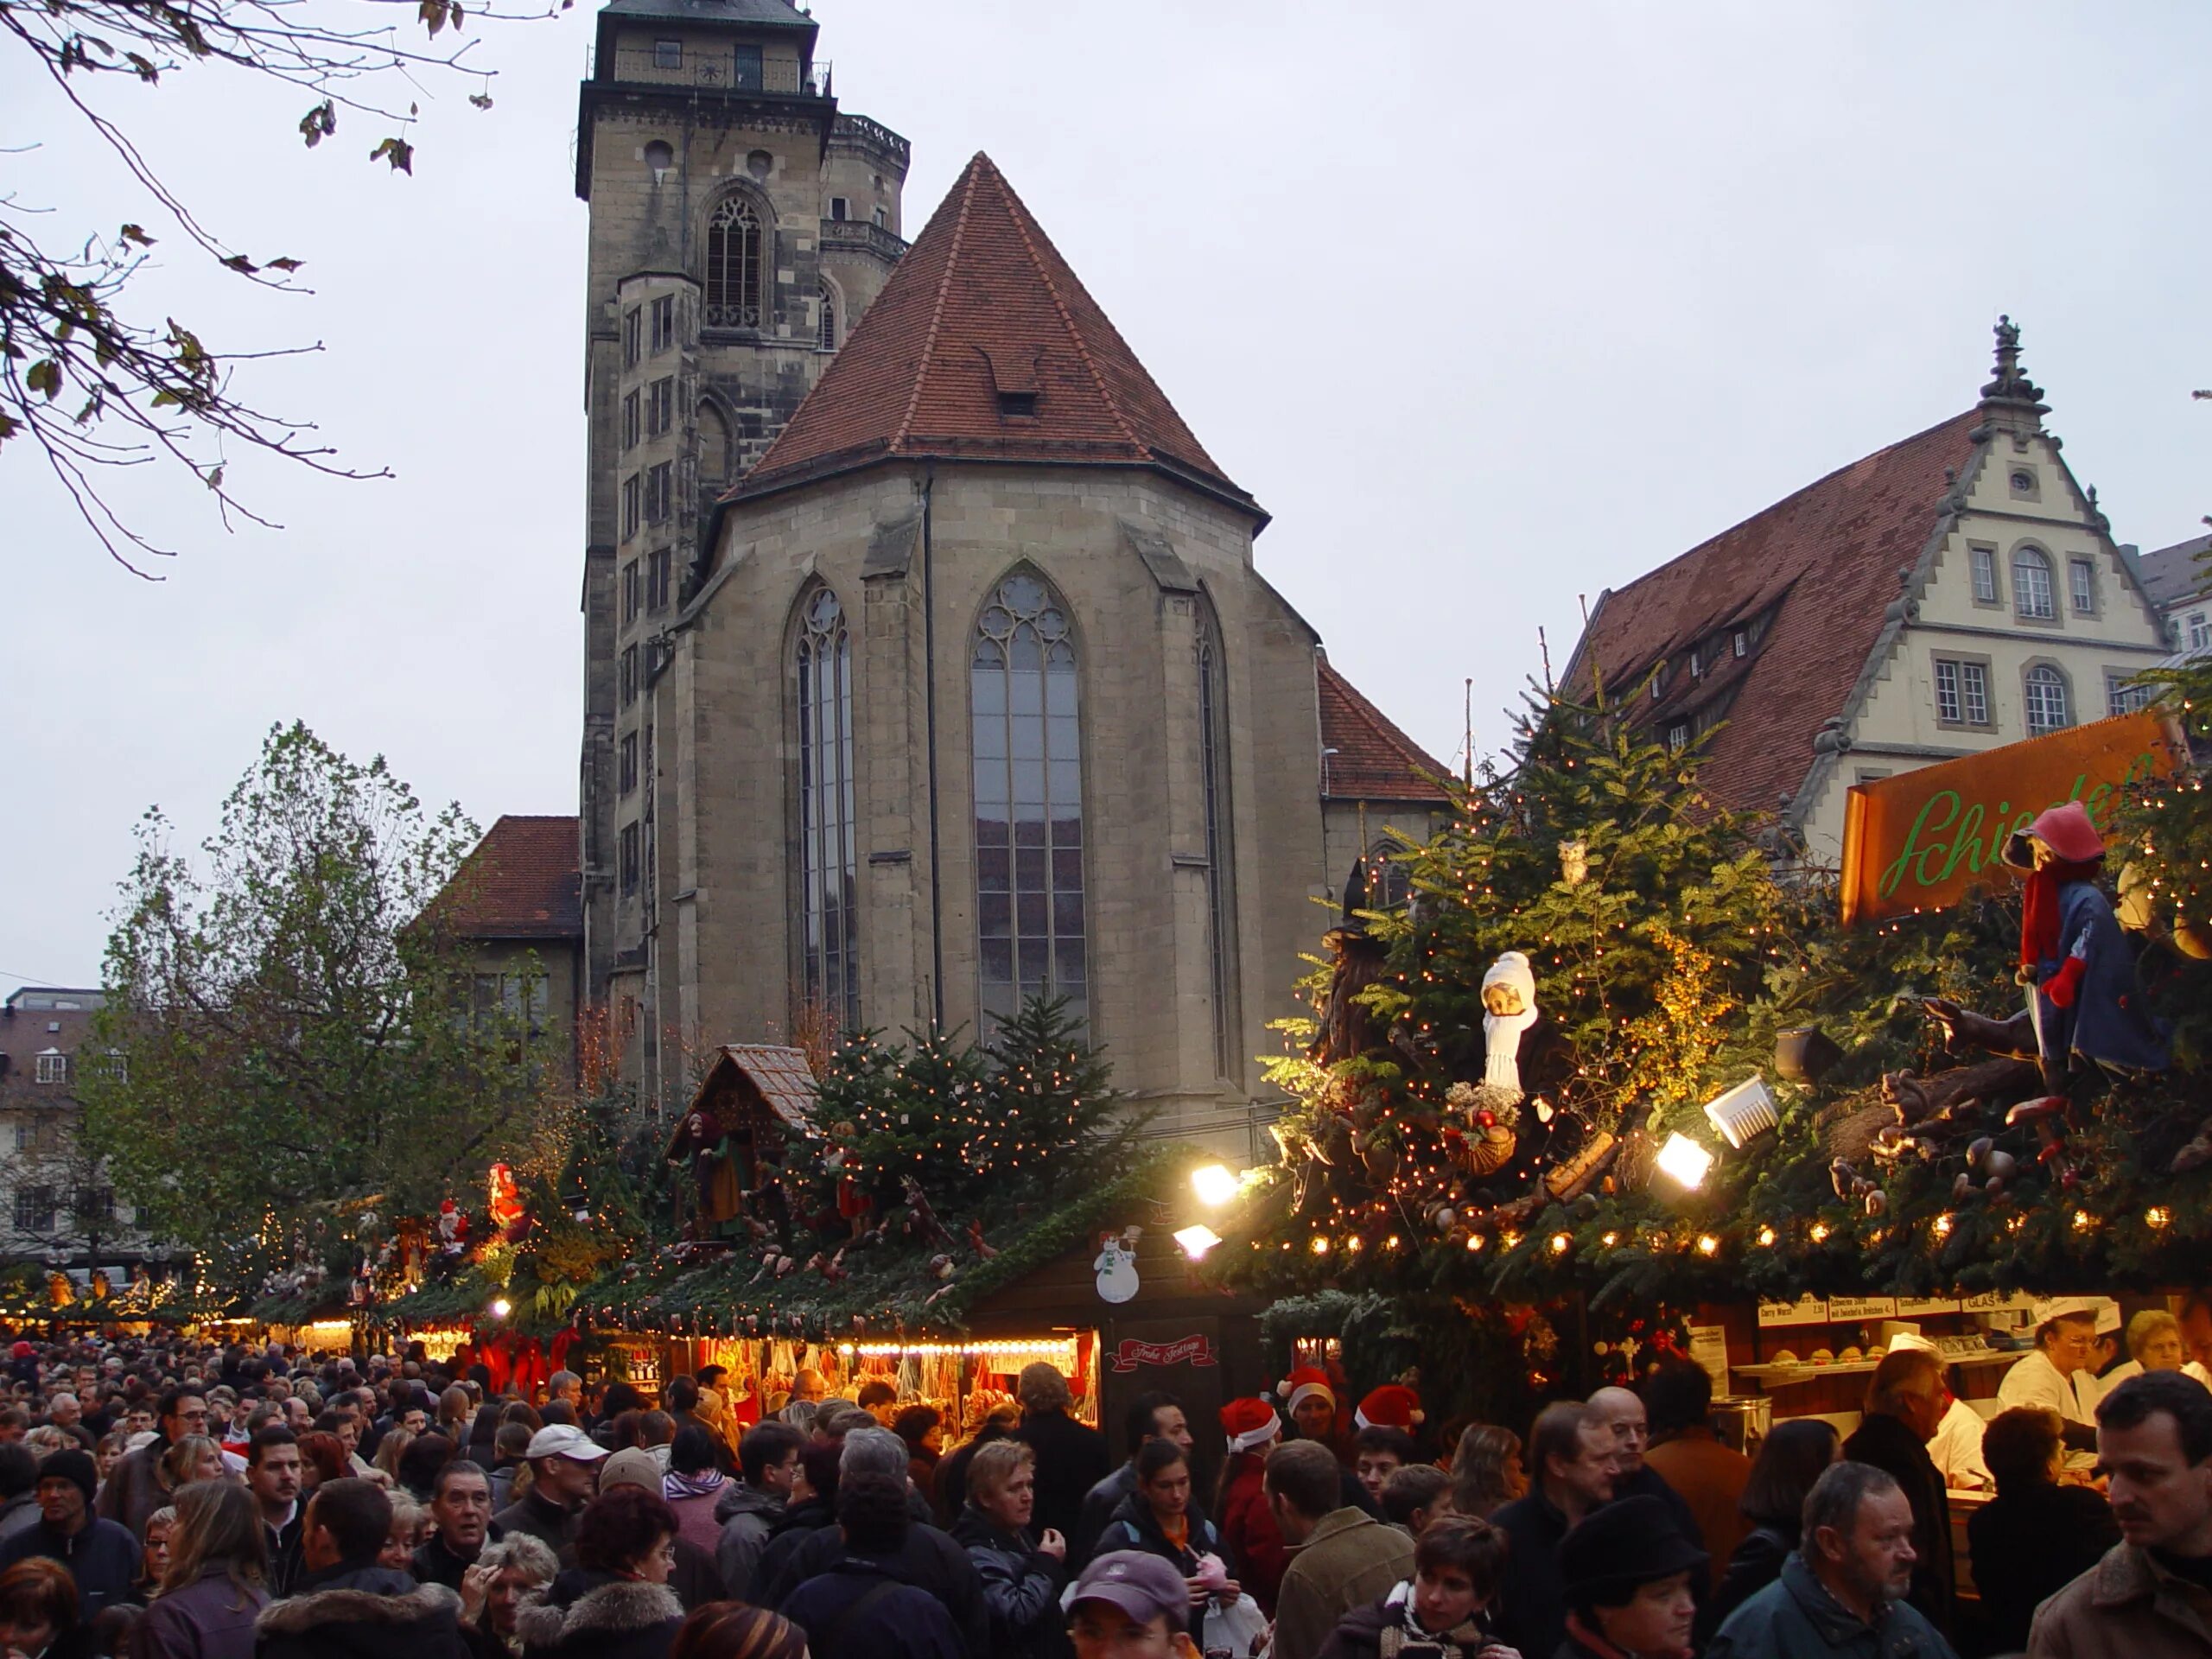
point(71, 1463)
point(633, 1466)
point(1303, 1381)
point(1250, 1424)
point(2066, 830)
point(1391, 1406)
point(1633, 1541)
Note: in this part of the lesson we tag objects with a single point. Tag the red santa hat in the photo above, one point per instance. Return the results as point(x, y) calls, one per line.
point(1303, 1382)
point(1391, 1406)
point(1250, 1423)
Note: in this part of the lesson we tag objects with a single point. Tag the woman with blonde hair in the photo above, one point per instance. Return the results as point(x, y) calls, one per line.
point(153, 1554)
point(1021, 1575)
point(389, 1450)
point(193, 1456)
point(216, 1583)
point(1486, 1471)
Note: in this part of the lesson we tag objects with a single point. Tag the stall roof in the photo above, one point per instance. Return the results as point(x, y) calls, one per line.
point(781, 1075)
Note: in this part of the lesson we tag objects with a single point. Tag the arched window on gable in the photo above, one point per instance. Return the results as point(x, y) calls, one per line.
point(828, 303)
point(1029, 759)
point(829, 863)
point(2031, 588)
point(1221, 875)
point(736, 243)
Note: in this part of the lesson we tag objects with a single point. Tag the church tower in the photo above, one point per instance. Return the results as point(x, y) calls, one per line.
point(740, 225)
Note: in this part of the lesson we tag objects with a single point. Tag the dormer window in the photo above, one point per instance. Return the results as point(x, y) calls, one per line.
point(1013, 380)
point(1742, 643)
point(668, 54)
point(1678, 737)
point(1018, 405)
point(1697, 665)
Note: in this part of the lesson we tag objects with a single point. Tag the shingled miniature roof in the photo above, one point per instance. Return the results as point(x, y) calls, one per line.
point(521, 882)
point(1823, 563)
point(983, 305)
point(781, 1074)
point(1374, 760)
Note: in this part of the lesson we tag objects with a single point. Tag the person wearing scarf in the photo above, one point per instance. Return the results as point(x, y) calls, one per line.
point(694, 1484)
point(1439, 1613)
point(1627, 1571)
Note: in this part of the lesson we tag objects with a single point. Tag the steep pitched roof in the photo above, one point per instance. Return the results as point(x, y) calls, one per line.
point(2172, 574)
point(1374, 760)
point(1821, 567)
point(982, 305)
point(522, 881)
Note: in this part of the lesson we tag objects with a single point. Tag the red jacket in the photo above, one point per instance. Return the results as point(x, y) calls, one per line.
point(1258, 1554)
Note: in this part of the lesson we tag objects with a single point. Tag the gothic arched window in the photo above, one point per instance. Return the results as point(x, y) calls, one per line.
point(828, 301)
point(1028, 755)
point(714, 450)
point(2049, 707)
point(1221, 882)
point(2031, 594)
point(734, 245)
point(828, 869)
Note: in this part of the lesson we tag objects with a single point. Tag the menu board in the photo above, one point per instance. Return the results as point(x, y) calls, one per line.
point(1844, 1310)
point(1910, 1307)
point(1806, 1310)
point(1709, 1348)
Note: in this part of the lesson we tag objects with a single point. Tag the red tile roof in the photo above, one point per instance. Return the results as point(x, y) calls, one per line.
point(1822, 565)
point(522, 881)
point(1374, 760)
point(982, 304)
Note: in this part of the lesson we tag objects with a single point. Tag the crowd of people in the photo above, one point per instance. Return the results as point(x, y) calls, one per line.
point(182, 1501)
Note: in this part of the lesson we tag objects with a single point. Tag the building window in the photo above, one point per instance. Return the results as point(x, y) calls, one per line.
point(1697, 663)
point(658, 568)
point(664, 323)
point(630, 420)
point(2046, 700)
point(1961, 691)
point(629, 859)
point(628, 751)
point(1028, 756)
point(2200, 632)
point(632, 337)
point(2032, 595)
point(93, 1206)
point(828, 303)
point(1678, 736)
point(658, 481)
point(2121, 697)
point(1985, 575)
point(733, 246)
point(629, 677)
point(629, 593)
point(2081, 586)
point(883, 220)
point(34, 1209)
point(630, 500)
point(668, 54)
point(1741, 643)
point(2024, 482)
point(53, 1067)
point(1221, 889)
point(840, 209)
point(829, 860)
point(746, 68)
point(661, 415)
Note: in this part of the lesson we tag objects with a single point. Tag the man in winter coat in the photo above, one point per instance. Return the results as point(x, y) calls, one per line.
point(1153, 1416)
point(1841, 1595)
point(1905, 1403)
point(2151, 1598)
point(862, 1605)
point(1342, 1556)
point(134, 1490)
point(460, 1507)
point(564, 1468)
point(1570, 1474)
point(346, 1607)
point(750, 1506)
point(1072, 1456)
point(101, 1555)
point(811, 1508)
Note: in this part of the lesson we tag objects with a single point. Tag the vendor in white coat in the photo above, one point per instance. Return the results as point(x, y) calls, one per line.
point(2066, 1342)
point(1956, 1449)
point(2154, 1343)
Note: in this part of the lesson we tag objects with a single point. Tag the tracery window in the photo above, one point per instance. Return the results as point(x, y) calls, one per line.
point(828, 867)
point(734, 248)
point(1221, 886)
point(1028, 761)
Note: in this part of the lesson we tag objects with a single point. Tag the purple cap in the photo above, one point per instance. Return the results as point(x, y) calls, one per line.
point(1143, 1586)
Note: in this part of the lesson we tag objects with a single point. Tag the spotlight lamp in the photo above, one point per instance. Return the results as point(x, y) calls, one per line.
point(1684, 1162)
point(1215, 1185)
point(1196, 1240)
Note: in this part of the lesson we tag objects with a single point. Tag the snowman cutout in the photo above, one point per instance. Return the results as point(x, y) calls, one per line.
point(1116, 1266)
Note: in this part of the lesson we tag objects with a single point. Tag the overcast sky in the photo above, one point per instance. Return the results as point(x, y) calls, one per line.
point(1491, 305)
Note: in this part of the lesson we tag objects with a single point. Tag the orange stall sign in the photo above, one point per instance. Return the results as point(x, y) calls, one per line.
point(1920, 840)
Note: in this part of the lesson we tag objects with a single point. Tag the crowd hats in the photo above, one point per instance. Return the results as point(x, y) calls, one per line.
point(1142, 1584)
point(564, 1440)
point(72, 1463)
point(1631, 1542)
point(1250, 1424)
point(1304, 1382)
point(1392, 1406)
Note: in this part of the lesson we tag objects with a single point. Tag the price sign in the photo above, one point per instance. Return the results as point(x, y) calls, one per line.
point(1911, 1308)
point(1806, 1310)
point(1845, 1310)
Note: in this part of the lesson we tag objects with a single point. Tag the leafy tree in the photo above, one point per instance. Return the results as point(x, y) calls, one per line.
point(297, 1037)
point(87, 378)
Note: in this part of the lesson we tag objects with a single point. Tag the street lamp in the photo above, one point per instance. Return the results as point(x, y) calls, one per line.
point(1215, 1184)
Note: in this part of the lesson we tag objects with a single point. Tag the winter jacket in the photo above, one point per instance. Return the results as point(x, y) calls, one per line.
point(133, 1489)
point(747, 1514)
point(434, 1563)
point(1754, 1564)
point(362, 1612)
point(211, 1619)
point(2027, 1545)
point(601, 1617)
point(856, 1610)
point(1796, 1617)
point(1022, 1588)
point(1350, 1558)
point(928, 1559)
point(1097, 1508)
point(2130, 1605)
point(1258, 1554)
point(1359, 1633)
point(550, 1525)
point(1648, 1482)
point(1531, 1606)
point(103, 1558)
point(950, 1493)
point(771, 1578)
point(1072, 1459)
point(1709, 1479)
point(17, 1513)
point(1887, 1444)
point(1135, 1527)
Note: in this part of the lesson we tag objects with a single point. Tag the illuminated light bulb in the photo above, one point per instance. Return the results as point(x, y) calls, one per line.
point(1559, 1244)
point(1320, 1245)
point(1215, 1185)
point(1707, 1244)
point(1820, 1232)
point(1766, 1238)
point(2158, 1216)
point(1354, 1243)
point(1610, 1240)
point(2083, 1220)
point(1474, 1241)
point(501, 1307)
point(1196, 1240)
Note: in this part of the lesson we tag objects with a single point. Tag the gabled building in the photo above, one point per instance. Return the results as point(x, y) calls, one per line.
point(1957, 590)
point(518, 898)
point(2180, 585)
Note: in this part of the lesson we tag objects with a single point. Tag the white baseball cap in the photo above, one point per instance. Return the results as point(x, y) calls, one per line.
point(564, 1440)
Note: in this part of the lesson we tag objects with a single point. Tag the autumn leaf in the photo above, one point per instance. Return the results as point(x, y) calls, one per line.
point(285, 265)
point(480, 100)
point(240, 264)
point(398, 152)
point(137, 236)
point(433, 12)
point(46, 377)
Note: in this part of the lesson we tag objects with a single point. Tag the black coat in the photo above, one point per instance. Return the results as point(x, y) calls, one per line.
point(928, 1559)
point(1756, 1563)
point(771, 1576)
point(432, 1563)
point(598, 1616)
point(366, 1613)
point(1890, 1446)
point(1072, 1459)
point(1531, 1606)
point(1022, 1587)
point(2026, 1546)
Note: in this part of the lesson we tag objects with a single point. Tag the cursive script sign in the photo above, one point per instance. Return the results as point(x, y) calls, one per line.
point(1919, 841)
point(1185, 1351)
